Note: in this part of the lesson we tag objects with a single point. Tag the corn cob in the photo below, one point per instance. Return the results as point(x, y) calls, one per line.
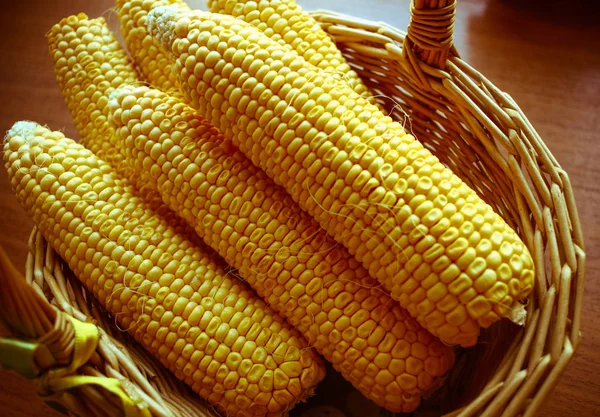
point(438, 248)
point(150, 56)
point(279, 249)
point(423, 379)
point(204, 325)
point(284, 21)
point(89, 64)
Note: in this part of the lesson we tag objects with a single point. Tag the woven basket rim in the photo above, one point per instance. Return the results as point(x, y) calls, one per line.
point(543, 211)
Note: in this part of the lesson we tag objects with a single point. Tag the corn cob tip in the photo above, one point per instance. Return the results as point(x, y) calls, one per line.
point(518, 314)
point(23, 129)
point(161, 23)
point(113, 97)
point(152, 60)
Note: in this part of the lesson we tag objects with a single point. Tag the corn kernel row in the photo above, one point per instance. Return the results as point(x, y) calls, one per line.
point(438, 248)
point(284, 21)
point(151, 59)
point(90, 64)
point(205, 326)
point(279, 249)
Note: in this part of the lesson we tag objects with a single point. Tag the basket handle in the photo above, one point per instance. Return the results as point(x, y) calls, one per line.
point(430, 31)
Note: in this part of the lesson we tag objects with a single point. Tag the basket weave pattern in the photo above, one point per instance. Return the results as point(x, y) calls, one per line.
point(473, 128)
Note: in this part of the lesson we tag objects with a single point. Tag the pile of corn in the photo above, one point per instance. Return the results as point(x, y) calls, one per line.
point(250, 130)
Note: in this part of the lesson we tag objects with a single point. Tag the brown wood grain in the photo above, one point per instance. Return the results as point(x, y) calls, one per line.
point(545, 54)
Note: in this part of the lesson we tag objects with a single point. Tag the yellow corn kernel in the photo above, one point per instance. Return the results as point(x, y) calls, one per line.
point(284, 21)
point(278, 249)
point(151, 58)
point(89, 63)
point(363, 156)
point(146, 314)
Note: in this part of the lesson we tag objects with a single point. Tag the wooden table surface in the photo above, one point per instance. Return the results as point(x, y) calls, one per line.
point(546, 57)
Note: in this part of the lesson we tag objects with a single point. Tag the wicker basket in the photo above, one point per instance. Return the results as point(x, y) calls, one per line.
point(475, 129)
